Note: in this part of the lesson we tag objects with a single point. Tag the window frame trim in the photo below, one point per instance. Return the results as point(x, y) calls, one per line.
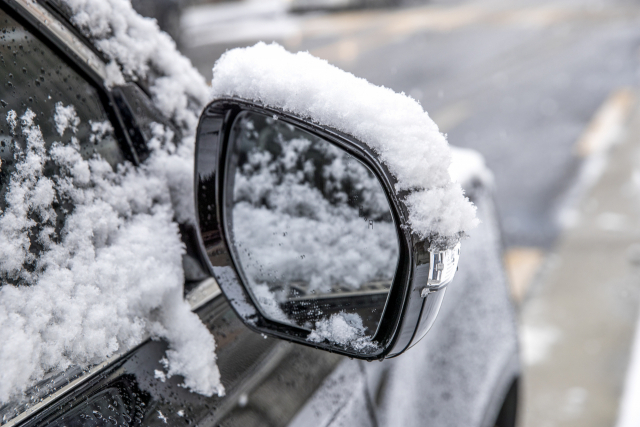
point(55, 31)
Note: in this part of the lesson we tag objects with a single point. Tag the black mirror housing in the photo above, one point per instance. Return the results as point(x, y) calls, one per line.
point(421, 275)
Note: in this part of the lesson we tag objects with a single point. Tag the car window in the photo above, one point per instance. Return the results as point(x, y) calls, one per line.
point(36, 77)
point(66, 107)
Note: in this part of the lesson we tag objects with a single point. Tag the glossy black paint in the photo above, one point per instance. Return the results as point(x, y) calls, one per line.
point(404, 308)
point(508, 416)
point(276, 379)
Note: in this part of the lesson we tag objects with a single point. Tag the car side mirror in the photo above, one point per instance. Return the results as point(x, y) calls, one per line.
point(306, 236)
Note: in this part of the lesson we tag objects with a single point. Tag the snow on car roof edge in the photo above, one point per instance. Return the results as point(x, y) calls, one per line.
point(394, 125)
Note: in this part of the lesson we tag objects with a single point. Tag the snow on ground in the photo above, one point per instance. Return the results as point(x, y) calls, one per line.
point(392, 124)
point(629, 410)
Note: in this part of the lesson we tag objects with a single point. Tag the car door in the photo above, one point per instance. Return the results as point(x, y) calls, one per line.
point(267, 381)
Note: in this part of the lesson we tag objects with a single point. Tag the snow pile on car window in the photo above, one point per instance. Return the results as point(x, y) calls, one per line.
point(138, 50)
point(142, 52)
point(111, 274)
point(392, 124)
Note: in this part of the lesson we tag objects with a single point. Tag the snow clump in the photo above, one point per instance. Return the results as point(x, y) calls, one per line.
point(468, 168)
point(392, 124)
point(342, 328)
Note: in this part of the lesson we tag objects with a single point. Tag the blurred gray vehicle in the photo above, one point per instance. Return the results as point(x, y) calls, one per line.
point(463, 372)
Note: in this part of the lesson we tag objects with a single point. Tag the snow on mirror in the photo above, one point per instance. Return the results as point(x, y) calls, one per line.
point(311, 228)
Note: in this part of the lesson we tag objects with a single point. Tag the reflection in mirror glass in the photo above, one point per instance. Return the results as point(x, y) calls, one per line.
point(313, 233)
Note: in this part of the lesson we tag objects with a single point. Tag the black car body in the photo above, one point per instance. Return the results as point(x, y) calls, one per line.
point(464, 372)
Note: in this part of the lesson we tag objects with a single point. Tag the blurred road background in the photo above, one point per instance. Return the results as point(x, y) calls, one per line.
point(547, 92)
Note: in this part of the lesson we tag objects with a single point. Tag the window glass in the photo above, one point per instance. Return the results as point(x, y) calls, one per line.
point(35, 77)
point(66, 108)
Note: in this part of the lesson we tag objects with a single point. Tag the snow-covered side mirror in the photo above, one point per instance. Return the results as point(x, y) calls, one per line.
point(303, 230)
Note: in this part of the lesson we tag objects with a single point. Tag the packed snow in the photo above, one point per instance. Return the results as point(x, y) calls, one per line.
point(392, 124)
point(629, 412)
point(112, 275)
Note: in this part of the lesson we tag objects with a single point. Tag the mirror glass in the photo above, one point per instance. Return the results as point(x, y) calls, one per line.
point(311, 228)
